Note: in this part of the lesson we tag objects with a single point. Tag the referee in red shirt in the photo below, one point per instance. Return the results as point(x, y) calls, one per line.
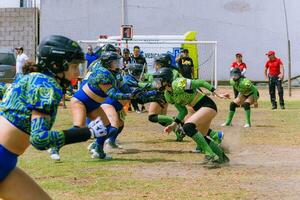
point(238, 63)
point(274, 73)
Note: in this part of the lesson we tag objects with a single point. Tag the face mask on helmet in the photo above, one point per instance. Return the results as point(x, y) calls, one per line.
point(115, 65)
point(235, 76)
point(157, 65)
point(158, 83)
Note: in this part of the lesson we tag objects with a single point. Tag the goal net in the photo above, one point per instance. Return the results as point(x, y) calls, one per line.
point(203, 53)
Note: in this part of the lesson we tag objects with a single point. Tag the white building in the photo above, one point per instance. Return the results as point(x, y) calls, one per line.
point(19, 3)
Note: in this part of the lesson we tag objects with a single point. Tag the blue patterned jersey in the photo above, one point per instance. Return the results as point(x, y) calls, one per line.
point(34, 91)
point(3, 87)
point(99, 75)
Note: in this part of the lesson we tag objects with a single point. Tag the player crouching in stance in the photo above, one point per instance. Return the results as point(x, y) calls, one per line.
point(101, 82)
point(182, 92)
point(248, 95)
point(158, 110)
point(28, 111)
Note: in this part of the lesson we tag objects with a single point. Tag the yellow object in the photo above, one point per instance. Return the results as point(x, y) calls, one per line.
point(193, 50)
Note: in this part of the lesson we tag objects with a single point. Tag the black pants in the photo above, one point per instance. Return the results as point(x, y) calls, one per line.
point(275, 82)
point(134, 104)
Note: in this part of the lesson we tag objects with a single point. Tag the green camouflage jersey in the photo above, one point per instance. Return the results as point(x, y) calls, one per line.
point(183, 93)
point(245, 87)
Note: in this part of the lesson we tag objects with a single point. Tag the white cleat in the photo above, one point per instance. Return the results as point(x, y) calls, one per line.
point(54, 155)
point(226, 124)
point(91, 146)
point(247, 126)
point(103, 156)
point(112, 145)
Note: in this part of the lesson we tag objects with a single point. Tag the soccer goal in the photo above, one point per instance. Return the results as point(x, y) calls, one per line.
point(203, 53)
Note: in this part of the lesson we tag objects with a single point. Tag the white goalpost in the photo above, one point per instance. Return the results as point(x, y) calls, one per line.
point(204, 51)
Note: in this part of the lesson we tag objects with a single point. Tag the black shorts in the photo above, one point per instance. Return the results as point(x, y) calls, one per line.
point(246, 96)
point(205, 102)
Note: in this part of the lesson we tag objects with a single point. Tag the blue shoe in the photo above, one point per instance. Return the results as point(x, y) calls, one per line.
point(221, 136)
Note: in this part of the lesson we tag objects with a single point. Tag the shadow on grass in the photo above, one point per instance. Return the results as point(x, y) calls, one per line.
point(265, 126)
point(153, 141)
point(136, 151)
point(143, 160)
point(151, 160)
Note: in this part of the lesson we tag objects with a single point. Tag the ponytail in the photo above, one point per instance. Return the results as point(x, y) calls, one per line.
point(30, 67)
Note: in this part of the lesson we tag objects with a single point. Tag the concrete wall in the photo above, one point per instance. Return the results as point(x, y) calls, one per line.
point(251, 27)
point(17, 28)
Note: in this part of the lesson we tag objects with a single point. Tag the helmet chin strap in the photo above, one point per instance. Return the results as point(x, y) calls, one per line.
point(63, 81)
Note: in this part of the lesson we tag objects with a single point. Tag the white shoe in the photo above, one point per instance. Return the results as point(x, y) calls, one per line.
point(225, 124)
point(97, 155)
point(54, 155)
point(91, 146)
point(247, 126)
point(110, 145)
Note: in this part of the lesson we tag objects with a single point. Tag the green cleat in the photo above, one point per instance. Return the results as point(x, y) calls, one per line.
point(198, 150)
point(211, 162)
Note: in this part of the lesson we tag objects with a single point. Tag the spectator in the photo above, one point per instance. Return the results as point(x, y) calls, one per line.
point(274, 74)
point(126, 59)
point(118, 51)
point(137, 57)
point(185, 64)
point(21, 60)
point(238, 63)
point(90, 56)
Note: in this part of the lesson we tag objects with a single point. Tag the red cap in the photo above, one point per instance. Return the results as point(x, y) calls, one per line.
point(239, 54)
point(270, 53)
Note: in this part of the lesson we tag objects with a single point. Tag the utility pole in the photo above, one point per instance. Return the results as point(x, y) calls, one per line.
point(289, 51)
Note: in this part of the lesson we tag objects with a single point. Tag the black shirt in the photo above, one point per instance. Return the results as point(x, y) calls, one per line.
point(185, 65)
point(126, 61)
point(140, 59)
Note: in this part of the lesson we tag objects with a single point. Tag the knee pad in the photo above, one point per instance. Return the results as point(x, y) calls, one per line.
point(153, 118)
point(246, 106)
point(233, 106)
point(207, 139)
point(190, 129)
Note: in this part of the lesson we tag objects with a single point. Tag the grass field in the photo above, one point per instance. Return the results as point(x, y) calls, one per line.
point(265, 161)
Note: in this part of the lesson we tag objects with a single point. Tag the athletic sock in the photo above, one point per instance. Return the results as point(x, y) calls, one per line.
point(229, 117)
point(247, 115)
point(216, 149)
point(214, 135)
point(113, 138)
point(165, 119)
point(201, 142)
